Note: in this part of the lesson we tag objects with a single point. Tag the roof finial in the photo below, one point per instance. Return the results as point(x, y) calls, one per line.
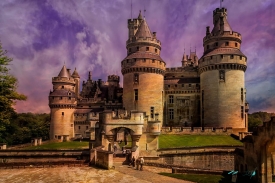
point(144, 11)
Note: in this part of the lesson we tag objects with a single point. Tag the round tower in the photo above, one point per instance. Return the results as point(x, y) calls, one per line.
point(221, 70)
point(143, 71)
point(62, 101)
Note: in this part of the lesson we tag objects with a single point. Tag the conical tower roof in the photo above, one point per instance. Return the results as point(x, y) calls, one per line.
point(217, 26)
point(140, 16)
point(75, 74)
point(144, 30)
point(64, 72)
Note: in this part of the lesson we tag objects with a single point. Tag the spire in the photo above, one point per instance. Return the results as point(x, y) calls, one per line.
point(144, 30)
point(64, 72)
point(75, 74)
point(184, 58)
point(90, 76)
point(139, 15)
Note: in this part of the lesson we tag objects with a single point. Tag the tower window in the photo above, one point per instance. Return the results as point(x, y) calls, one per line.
point(226, 43)
point(144, 60)
point(87, 127)
point(207, 47)
point(62, 87)
point(211, 57)
point(241, 57)
point(231, 56)
point(70, 98)
point(171, 99)
point(130, 50)
point(136, 94)
point(152, 110)
point(242, 111)
point(136, 78)
point(168, 86)
point(236, 44)
point(137, 48)
point(153, 61)
point(79, 127)
point(156, 50)
point(221, 56)
point(171, 113)
point(176, 85)
point(147, 48)
point(190, 85)
point(127, 61)
point(242, 94)
point(60, 98)
point(216, 44)
point(62, 113)
point(182, 85)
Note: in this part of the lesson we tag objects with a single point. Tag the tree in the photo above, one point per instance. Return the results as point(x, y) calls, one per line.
point(8, 93)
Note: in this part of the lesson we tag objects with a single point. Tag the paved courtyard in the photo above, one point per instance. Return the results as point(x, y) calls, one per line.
point(121, 174)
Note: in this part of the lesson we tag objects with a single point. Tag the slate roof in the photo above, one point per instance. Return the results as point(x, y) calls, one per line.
point(141, 54)
point(143, 30)
point(216, 27)
point(64, 72)
point(75, 74)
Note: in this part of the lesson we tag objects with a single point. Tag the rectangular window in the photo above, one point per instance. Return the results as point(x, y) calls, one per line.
point(182, 85)
point(60, 98)
point(87, 127)
point(168, 86)
point(62, 113)
point(226, 43)
point(153, 61)
point(236, 44)
point(190, 85)
point(79, 127)
point(70, 98)
point(137, 48)
point(136, 94)
point(231, 56)
point(242, 111)
point(241, 57)
point(136, 78)
point(130, 50)
point(221, 56)
point(171, 99)
point(147, 48)
point(156, 50)
point(144, 60)
point(242, 94)
point(152, 111)
point(216, 43)
point(211, 57)
point(171, 113)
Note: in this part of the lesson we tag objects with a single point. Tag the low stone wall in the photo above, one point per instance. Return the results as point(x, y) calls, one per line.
point(101, 158)
point(197, 130)
point(212, 158)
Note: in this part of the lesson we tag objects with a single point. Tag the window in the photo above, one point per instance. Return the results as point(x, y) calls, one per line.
point(144, 60)
point(152, 110)
point(79, 127)
point(136, 78)
point(241, 57)
point(236, 44)
point(216, 44)
point(130, 50)
point(182, 85)
point(221, 56)
point(60, 98)
point(156, 50)
point(137, 48)
point(211, 57)
point(226, 43)
point(72, 125)
point(176, 86)
point(190, 85)
point(207, 47)
point(87, 127)
point(171, 113)
point(168, 86)
point(62, 113)
point(242, 94)
point(136, 94)
point(242, 111)
point(127, 60)
point(147, 48)
point(153, 61)
point(63, 87)
point(171, 99)
point(231, 56)
point(202, 103)
point(70, 98)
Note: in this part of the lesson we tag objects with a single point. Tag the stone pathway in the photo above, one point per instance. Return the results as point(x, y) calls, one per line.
point(64, 174)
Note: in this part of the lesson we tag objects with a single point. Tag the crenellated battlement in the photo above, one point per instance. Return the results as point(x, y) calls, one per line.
point(227, 35)
point(113, 78)
point(142, 40)
point(197, 130)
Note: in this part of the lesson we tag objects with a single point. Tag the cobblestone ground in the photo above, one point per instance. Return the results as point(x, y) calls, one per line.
point(121, 174)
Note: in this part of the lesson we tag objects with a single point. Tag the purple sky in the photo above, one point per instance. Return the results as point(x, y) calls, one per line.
point(91, 36)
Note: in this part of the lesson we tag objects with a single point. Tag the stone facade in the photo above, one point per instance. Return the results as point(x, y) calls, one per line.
point(208, 92)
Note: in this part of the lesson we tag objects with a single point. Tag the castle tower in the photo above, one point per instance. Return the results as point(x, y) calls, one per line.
point(62, 101)
point(221, 70)
point(76, 77)
point(143, 74)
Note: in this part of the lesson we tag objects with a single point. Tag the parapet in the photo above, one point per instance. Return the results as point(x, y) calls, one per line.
point(63, 79)
point(197, 130)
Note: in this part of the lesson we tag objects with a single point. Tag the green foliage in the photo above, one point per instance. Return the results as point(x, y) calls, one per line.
point(199, 178)
point(61, 145)
point(173, 141)
point(257, 118)
point(8, 94)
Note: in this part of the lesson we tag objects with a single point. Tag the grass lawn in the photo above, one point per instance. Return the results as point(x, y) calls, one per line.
point(172, 141)
point(60, 145)
point(200, 178)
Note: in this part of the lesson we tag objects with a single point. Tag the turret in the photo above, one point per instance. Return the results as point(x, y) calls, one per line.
point(76, 77)
point(221, 70)
point(62, 101)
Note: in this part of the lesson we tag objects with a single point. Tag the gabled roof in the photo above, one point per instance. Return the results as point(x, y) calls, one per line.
point(143, 30)
point(64, 72)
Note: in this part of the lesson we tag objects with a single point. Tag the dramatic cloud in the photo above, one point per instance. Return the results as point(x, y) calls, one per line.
point(91, 35)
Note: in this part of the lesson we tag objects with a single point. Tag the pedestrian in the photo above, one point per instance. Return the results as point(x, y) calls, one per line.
point(115, 147)
point(138, 163)
point(133, 161)
point(141, 163)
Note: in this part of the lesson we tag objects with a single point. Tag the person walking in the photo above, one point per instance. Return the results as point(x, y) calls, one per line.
point(141, 163)
point(138, 163)
point(133, 161)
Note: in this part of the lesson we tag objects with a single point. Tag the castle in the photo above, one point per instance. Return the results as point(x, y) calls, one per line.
point(205, 92)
